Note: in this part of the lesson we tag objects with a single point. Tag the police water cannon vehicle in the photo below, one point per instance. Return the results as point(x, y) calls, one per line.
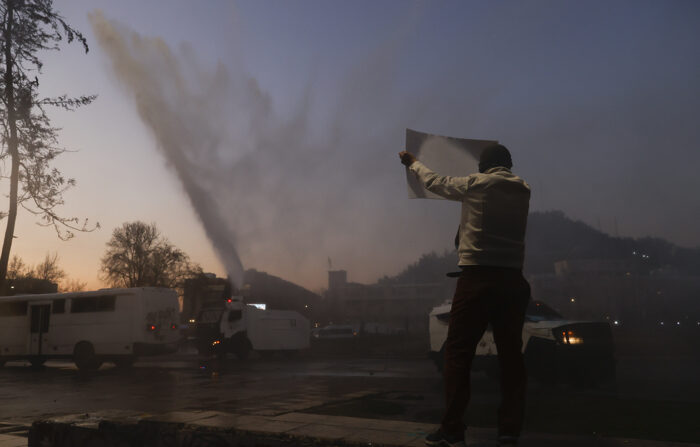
point(240, 328)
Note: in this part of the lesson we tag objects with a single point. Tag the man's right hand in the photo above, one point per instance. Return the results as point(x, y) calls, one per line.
point(407, 158)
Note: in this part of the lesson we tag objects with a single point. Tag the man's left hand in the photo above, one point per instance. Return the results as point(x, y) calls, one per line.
point(407, 158)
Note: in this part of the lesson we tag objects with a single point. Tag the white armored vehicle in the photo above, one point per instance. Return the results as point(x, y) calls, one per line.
point(114, 325)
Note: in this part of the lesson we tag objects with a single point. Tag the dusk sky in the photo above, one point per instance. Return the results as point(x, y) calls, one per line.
point(301, 107)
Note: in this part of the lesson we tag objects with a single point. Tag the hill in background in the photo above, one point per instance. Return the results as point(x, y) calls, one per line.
point(552, 237)
point(278, 293)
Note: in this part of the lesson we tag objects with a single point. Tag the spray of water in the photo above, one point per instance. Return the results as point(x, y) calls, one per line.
point(267, 188)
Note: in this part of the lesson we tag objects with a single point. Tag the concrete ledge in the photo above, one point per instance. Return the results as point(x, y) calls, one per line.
point(217, 429)
point(211, 428)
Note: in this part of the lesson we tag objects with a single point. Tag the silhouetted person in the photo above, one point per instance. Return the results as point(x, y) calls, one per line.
point(491, 288)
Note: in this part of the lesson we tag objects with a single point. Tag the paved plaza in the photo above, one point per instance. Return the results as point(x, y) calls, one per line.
point(347, 398)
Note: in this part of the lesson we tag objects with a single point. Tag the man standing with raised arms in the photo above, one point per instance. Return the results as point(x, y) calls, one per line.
point(491, 288)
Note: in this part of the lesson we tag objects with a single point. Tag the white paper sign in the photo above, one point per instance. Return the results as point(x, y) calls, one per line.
point(457, 157)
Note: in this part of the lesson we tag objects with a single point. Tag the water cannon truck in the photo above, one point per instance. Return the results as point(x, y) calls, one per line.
point(240, 329)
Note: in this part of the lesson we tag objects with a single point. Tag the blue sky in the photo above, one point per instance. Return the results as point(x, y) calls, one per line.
point(597, 100)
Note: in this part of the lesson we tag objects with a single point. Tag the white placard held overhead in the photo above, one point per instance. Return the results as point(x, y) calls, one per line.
point(457, 157)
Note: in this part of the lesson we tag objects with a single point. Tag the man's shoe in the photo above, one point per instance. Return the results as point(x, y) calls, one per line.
point(507, 441)
point(442, 439)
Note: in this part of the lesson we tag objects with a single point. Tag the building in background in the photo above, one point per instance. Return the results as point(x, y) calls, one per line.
point(386, 308)
point(280, 294)
point(28, 286)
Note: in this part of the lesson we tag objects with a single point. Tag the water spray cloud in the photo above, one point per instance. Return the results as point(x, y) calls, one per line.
point(282, 192)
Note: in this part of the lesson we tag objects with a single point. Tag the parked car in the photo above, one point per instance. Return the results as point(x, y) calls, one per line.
point(555, 349)
point(334, 331)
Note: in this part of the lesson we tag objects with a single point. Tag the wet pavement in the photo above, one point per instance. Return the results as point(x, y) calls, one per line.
point(182, 383)
point(654, 398)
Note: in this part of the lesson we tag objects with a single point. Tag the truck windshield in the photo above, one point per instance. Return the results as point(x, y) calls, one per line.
point(210, 316)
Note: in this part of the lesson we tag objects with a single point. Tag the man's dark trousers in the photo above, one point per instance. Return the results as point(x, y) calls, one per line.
point(484, 295)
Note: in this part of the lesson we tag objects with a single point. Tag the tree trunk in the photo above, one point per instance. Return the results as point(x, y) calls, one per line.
point(12, 145)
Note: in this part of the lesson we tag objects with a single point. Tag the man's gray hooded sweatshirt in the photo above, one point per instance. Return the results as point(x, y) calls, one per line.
point(494, 213)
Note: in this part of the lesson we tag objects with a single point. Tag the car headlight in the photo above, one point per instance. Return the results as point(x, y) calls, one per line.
point(568, 337)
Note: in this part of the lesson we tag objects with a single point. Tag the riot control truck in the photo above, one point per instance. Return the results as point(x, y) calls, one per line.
point(240, 329)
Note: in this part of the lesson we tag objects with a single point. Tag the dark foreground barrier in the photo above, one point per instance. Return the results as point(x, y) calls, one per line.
point(215, 429)
point(116, 434)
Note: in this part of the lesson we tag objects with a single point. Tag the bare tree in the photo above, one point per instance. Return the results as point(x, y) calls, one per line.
point(73, 285)
point(18, 269)
point(138, 256)
point(48, 269)
point(27, 28)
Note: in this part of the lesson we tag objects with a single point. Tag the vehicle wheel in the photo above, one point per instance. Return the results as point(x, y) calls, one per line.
point(219, 353)
point(124, 362)
point(605, 378)
point(84, 357)
point(242, 352)
point(242, 348)
point(542, 362)
point(37, 362)
point(204, 349)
